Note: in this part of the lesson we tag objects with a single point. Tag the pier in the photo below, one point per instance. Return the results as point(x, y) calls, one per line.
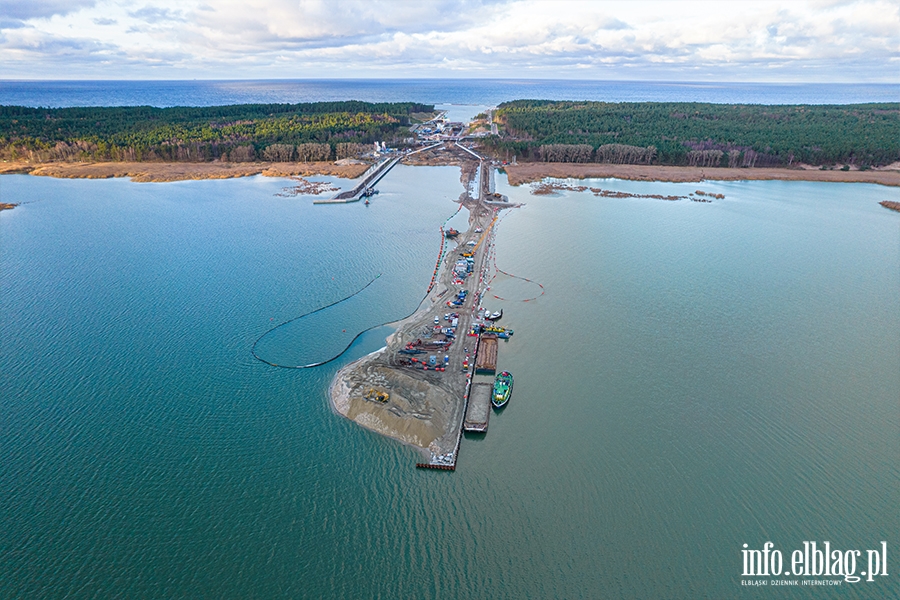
point(440, 347)
point(370, 178)
point(477, 397)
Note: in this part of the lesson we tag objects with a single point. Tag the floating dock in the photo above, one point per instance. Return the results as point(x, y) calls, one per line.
point(486, 360)
point(479, 408)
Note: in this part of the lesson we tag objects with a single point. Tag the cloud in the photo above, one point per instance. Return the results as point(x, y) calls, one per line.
point(41, 9)
point(11, 24)
point(154, 14)
point(15, 14)
point(812, 41)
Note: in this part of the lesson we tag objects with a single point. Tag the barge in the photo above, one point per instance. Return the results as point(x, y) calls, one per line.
point(479, 408)
point(486, 359)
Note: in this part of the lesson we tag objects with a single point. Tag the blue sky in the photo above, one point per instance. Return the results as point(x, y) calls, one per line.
point(800, 41)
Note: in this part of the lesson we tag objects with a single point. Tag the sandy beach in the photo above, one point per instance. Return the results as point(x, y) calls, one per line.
point(530, 172)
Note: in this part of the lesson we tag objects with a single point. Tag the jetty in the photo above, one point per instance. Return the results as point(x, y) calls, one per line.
point(369, 179)
point(372, 176)
point(434, 364)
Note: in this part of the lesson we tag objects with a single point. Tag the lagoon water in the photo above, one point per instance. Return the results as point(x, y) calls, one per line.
point(695, 377)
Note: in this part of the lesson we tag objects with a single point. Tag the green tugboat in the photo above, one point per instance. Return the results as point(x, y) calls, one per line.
point(502, 389)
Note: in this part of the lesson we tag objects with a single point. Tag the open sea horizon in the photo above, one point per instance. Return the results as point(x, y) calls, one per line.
point(483, 92)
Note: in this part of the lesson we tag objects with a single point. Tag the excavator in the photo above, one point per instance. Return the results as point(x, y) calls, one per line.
point(377, 395)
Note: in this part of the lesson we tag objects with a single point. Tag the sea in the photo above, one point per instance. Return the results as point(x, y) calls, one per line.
point(693, 380)
point(446, 92)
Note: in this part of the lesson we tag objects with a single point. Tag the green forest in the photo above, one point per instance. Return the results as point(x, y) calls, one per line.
point(707, 135)
point(271, 132)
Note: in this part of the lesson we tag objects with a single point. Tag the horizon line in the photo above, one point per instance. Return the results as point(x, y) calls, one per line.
point(643, 81)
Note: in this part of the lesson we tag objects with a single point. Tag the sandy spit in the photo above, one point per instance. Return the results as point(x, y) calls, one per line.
point(529, 172)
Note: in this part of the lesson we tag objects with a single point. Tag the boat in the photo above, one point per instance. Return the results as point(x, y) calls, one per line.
point(451, 233)
point(494, 316)
point(503, 384)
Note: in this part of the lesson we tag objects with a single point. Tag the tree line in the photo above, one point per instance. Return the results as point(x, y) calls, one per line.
point(707, 135)
point(270, 132)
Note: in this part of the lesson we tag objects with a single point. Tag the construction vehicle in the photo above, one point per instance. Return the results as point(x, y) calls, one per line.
point(377, 395)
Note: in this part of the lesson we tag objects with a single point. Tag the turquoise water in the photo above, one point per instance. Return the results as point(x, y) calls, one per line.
point(696, 377)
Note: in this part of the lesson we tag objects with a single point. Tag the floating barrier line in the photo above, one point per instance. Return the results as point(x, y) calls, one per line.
point(359, 291)
point(437, 266)
point(499, 270)
point(321, 308)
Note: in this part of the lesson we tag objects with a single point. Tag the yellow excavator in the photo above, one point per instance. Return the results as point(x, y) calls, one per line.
point(471, 253)
point(485, 234)
point(377, 395)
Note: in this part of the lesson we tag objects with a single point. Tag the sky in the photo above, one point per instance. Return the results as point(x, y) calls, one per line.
point(740, 40)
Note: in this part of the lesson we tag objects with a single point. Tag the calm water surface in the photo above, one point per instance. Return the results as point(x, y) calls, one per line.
point(696, 377)
point(445, 92)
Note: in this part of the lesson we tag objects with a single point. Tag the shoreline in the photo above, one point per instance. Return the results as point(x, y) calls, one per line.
point(413, 427)
point(534, 171)
point(522, 173)
point(159, 172)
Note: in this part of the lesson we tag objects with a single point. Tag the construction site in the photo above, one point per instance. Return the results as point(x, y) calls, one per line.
point(419, 388)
